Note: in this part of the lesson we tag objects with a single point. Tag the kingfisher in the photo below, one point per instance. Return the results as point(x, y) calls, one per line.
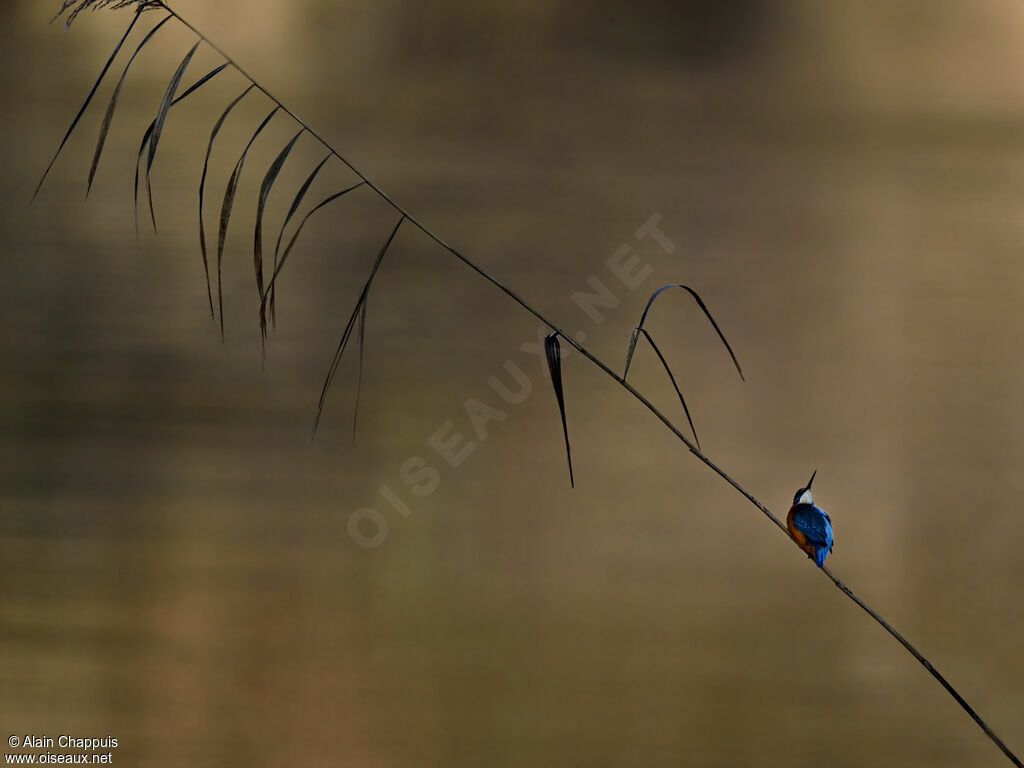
point(809, 525)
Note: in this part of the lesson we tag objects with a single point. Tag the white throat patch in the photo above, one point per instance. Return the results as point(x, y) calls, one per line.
point(805, 498)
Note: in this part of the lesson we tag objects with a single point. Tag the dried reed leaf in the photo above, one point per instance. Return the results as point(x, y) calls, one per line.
point(142, 148)
point(671, 377)
point(152, 125)
point(359, 375)
point(109, 116)
point(88, 98)
point(553, 353)
point(225, 210)
point(634, 336)
point(295, 236)
point(357, 312)
point(296, 202)
point(202, 193)
point(161, 118)
point(268, 182)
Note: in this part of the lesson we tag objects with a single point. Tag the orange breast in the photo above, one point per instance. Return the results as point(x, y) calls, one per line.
point(798, 536)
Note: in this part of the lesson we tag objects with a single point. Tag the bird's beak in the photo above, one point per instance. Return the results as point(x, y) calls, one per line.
point(811, 480)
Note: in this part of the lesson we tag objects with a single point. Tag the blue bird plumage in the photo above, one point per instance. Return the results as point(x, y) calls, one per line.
point(809, 525)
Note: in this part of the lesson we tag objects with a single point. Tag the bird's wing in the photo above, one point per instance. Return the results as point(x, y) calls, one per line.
point(813, 523)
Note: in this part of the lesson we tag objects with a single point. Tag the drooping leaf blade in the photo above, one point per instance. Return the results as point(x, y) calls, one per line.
point(109, 116)
point(295, 236)
point(200, 82)
point(296, 202)
point(268, 182)
point(643, 317)
point(229, 201)
point(225, 214)
point(88, 98)
point(553, 354)
point(152, 125)
point(359, 374)
point(672, 378)
point(160, 119)
point(356, 313)
point(142, 149)
point(202, 190)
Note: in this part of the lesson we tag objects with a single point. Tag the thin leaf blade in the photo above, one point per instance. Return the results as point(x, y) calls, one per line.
point(672, 378)
point(161, 118)
point(152, 125)
point(630, 349)
point(704, 309)
point(108, 117)
point(112, 106)
point(359, 375)
point(88, 100)
point(142, 149)
point(225, 210)
point(553, 355)
point(357, 312)
point(202, 190)
point(296, 202)
point(268, 182)
point(268, 294)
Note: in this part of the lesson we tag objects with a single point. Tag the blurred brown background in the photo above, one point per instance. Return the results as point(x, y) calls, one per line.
point(843, 183)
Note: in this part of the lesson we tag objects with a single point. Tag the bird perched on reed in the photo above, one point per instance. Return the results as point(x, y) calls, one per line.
point(809, 525)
